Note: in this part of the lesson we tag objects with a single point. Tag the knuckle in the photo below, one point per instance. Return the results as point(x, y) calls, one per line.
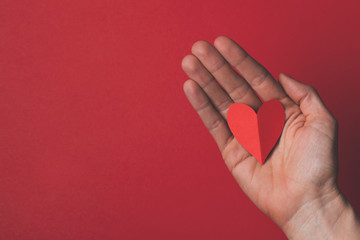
point(214, 124)
point(260, 79)
point(203, 106)
point(224, 105)
point(310, 93)
point(311, 89)
point(217, 66)
point(238, 93)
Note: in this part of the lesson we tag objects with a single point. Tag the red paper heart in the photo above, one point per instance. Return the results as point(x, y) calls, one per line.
point(257, 133)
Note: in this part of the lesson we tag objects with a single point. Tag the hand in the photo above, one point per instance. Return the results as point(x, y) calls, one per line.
point(296, 186)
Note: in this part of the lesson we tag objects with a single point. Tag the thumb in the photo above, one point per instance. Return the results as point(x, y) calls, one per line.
point(305, 96)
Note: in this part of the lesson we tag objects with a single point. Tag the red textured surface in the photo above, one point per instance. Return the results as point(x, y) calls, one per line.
point(97, 140)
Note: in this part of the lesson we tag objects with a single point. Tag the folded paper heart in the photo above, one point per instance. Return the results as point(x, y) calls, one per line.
point(257, 132)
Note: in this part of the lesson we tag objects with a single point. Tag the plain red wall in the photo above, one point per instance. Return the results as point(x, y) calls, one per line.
point(97, 140)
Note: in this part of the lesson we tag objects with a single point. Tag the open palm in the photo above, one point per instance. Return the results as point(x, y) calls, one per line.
point(303, 165)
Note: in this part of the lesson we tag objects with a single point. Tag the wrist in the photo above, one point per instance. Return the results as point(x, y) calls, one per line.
point(329, 216)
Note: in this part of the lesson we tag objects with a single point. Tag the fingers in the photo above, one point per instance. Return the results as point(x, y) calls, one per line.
point(254, 73)
point(308, 99)
point(197, 72)
point(211, 118)
point(235, 86)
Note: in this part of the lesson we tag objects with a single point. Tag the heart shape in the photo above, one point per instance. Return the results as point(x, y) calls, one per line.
point(257, 132)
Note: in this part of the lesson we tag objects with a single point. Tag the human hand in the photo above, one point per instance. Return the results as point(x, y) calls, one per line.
point(296, 186)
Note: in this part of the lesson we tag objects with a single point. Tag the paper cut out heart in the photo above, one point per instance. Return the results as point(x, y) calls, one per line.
point(257, 133)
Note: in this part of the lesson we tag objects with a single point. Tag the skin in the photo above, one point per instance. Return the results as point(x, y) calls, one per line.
point(297, 185)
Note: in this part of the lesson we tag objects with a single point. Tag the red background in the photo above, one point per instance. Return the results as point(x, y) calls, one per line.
point(97, 140)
